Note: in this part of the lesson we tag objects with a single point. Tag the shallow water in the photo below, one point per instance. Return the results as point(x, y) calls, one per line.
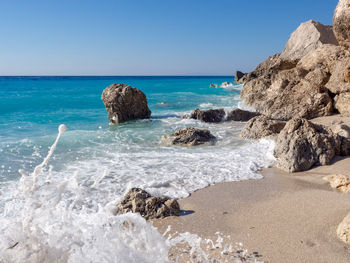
point(95, 163)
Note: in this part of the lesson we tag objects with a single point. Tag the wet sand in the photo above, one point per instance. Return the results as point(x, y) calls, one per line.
point(284, 217)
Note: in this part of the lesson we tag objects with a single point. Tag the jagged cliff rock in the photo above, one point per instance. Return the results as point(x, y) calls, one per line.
point(293, 84)
point(308, 37)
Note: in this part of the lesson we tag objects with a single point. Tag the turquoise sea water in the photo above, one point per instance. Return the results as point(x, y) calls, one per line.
point(31, 108)
point(66, 210)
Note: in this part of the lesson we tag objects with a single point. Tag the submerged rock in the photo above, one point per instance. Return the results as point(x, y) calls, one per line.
point(343, 230)
point(190, 137)
point(260, 127)
point(308, 37)
point(302, 144)
point(150, 207)
point(339, 182)
point(125, 103)
point(216, 115)
point(241, 115)
point(341, 22)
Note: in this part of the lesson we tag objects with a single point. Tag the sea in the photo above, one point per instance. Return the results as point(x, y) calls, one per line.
point(56, 199)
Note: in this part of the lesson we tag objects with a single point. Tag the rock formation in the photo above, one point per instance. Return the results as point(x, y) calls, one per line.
point(216, 115)
point(343, 230)
point(341, 22)
point(260, 127)
point(289, 84)
point(150, 207)
point(190, 137)
point(241, 115)
point(125, 103)
point(308, 37)
point(302, 144)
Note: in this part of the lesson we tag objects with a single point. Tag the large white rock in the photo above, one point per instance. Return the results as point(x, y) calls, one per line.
point(308, 37)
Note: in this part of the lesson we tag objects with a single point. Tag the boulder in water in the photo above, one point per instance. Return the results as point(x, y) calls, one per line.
point(125, 103)
point(190, 137)
point(213, 115)
point(241, 115)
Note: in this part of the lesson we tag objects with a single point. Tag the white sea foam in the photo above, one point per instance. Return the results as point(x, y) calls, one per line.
point(65, 216)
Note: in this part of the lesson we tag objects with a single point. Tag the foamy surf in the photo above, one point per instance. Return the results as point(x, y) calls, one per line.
point(58, 218)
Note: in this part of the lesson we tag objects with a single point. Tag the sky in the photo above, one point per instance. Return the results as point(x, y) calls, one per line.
point(148, 37)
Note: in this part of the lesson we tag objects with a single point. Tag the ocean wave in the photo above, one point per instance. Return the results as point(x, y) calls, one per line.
point(66, 216)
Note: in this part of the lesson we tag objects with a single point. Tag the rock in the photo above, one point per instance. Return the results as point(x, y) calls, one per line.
point(294, 83)
point(342, 103)
point(290, 93)
point(241, 115)
point(213, 85)
point(308, 37)
point(326, 55)
point(302, 144)
point(343, 131)
point(339, 182)
point(260, 127)
point(338, 82)
point(190, 137)
point(150, 207)
point(216, 115)
point(239, 77)
point(273, 65)
point(125, 103)
point(341, 22)
point(343, 230)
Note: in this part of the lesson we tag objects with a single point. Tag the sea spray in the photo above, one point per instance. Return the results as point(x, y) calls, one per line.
point(50, 220)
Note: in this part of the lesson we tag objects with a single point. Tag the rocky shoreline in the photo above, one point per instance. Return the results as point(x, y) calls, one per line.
point(308, 80)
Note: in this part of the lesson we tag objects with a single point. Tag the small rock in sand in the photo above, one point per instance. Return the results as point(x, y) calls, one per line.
point(343, 230)
point(339, 181)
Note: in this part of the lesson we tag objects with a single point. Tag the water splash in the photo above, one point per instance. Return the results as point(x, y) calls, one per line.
point(52, 219)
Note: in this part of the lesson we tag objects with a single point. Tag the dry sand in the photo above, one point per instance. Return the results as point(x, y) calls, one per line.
point(285, 217)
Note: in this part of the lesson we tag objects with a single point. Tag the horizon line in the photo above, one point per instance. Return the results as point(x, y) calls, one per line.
point(187, 75)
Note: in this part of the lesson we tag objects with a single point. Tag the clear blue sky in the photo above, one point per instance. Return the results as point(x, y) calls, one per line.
point(147, 37)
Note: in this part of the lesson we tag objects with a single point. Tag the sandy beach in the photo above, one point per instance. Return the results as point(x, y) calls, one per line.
point(284, 217)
